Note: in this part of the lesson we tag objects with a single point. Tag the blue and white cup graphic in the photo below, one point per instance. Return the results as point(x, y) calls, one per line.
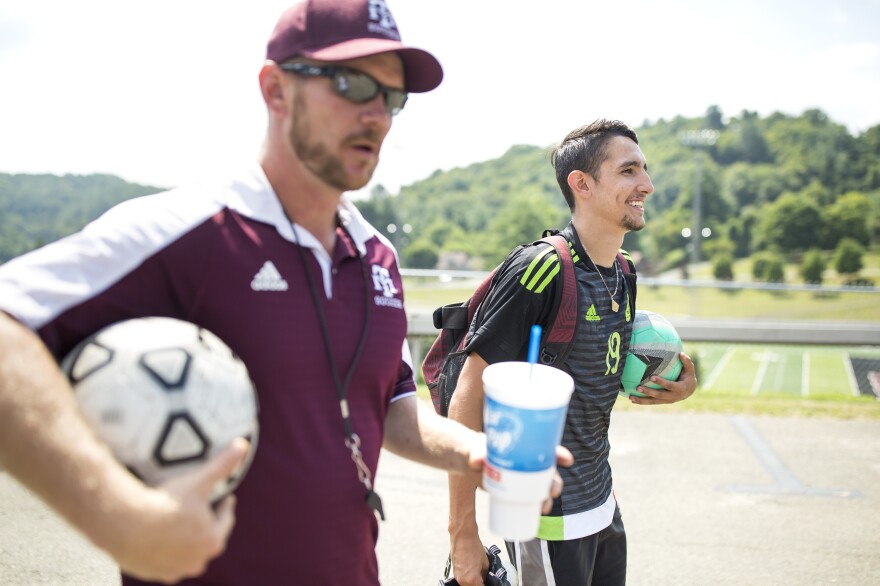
point(523, 418)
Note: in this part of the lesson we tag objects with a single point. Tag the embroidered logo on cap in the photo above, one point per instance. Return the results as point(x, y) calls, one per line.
point(381, 22)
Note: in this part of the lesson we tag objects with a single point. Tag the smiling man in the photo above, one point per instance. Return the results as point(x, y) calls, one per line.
point(604, 178)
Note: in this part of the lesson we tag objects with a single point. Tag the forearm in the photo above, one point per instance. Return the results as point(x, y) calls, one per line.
point(414, 431)
point(46, 444)
point(466, 408)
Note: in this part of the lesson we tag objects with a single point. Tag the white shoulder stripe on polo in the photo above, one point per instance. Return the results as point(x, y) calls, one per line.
point(38, 286)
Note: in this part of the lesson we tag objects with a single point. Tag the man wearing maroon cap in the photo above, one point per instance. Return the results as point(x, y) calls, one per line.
point(279, 264)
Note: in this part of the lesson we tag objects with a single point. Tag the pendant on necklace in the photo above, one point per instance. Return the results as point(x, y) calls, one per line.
point(614, 306)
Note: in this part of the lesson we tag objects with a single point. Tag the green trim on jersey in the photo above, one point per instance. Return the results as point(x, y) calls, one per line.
point(536, 278)
point(574, 255)
point(551, 528)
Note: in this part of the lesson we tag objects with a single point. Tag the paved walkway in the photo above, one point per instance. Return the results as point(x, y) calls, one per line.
point(707, 499)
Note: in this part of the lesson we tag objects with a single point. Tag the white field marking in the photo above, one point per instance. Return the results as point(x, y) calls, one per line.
point(805, 375)
point(766, 358)
point(853, 383)
point(716, 372)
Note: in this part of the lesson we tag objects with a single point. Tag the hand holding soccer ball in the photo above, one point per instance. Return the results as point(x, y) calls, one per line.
point(653, 351)
point(165, 395)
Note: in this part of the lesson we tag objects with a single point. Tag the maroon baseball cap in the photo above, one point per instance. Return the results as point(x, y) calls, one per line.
point(336, 30)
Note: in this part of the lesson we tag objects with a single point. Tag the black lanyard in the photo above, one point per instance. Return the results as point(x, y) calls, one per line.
point(352, 440)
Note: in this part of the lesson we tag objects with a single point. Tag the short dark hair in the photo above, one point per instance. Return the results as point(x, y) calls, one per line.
point(584, 149)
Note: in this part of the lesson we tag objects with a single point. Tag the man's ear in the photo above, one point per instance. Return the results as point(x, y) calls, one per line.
point(580, 184)
point(272, 86)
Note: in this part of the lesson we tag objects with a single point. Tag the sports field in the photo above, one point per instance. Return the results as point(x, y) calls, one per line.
point(821, 372)
point(782, 380)
point(777, 379)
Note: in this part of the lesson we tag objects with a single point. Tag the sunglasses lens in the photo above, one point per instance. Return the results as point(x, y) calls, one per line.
point(360, 87)
point(395, 100)
point(356, 87)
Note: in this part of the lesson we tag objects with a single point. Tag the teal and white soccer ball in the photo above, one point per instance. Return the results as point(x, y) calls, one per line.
point(653, 351)
point(165, 395)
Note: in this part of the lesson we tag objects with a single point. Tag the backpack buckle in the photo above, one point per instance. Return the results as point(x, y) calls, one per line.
point(547, 357)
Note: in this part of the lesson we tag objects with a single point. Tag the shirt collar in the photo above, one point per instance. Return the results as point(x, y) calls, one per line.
point(251, 194)
point(575, 242)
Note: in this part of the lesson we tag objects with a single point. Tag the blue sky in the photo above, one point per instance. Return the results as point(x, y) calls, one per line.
point(165, 92)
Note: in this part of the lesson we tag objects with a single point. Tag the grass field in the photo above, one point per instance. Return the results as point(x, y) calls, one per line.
point(744, 378)
point(677, 301)
point(781, 379)
point(812, 381)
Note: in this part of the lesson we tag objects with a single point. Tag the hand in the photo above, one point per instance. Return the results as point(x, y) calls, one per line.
point(469, 561)
point(177, 532)
point(563, 458)
point(672, 391)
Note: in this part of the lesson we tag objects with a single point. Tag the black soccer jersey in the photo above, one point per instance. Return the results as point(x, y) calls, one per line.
point(524, 297)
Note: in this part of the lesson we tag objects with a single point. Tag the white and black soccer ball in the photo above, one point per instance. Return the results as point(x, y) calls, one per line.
point(165, 395)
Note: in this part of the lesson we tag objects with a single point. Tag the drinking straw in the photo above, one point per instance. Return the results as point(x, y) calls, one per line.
point(534, 344)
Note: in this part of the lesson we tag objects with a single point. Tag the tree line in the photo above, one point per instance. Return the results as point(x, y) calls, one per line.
point(37, 209)
point(775, 188)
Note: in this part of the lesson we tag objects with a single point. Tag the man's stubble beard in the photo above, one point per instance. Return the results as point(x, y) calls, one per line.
point(315, 157)
point(630, 225)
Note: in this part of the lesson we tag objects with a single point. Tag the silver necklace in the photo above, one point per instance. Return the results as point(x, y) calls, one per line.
point(614, 304)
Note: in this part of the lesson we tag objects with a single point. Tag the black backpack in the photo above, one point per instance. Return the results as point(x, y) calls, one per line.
point(443, 362)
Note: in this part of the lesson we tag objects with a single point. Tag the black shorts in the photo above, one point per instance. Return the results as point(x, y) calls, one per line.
point(594, 560)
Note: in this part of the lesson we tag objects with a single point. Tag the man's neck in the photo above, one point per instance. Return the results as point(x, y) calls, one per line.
point(600, 243)
point(306, 200)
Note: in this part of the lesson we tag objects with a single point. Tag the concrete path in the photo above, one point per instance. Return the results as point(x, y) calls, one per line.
point(706, 499)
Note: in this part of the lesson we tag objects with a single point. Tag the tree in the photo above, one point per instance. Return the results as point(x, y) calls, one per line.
point(421, 254)
point(714, 119)
point(743, 141)
point(813, 266)
point(442, 233)
point(665, 231)
point(848, 257)
point(760, 264)
point(722, 266)
point(810, 147)
point(747, 184)
point(791, 223)
point(848, 217)
point(522, 221)
point(719, 244)
point(739, 230)
point(379, 210)
point(774, 271)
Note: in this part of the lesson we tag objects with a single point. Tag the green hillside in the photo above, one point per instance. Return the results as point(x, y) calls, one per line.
point(36, 209)
point(780, 185)
point(780, 194)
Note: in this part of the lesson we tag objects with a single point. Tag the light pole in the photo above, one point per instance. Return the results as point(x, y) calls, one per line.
point(697, 139)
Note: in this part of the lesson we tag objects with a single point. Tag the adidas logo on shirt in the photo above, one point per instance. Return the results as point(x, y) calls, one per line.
point(268, 279)
point(591, 314)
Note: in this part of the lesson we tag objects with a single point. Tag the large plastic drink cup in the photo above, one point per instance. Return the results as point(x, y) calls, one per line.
point(523, 417)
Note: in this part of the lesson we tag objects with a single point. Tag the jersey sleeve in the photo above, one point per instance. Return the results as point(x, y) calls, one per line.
point(406, 384)
point(522, 296)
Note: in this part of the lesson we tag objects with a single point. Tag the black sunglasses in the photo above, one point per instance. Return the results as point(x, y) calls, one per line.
point(355, 86)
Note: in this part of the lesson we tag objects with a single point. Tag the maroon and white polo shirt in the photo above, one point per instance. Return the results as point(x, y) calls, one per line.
point(223, 257)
